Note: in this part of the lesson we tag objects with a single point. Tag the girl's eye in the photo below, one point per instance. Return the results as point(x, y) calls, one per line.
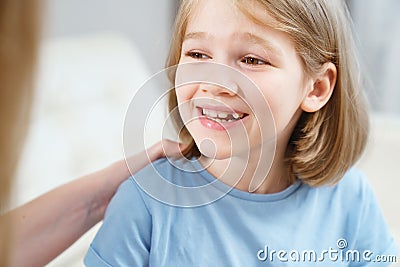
point(253, 61)
point(197, 55)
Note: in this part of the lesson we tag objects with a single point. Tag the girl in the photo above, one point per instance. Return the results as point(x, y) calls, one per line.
point(310, 207)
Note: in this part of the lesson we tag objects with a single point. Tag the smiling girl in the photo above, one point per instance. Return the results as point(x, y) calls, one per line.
point(299, 56)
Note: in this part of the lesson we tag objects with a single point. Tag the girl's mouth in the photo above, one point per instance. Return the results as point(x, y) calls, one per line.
point(220, 118)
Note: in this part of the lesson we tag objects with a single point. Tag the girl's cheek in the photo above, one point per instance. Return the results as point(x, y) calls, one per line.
point(180, 95)
point(185, 93)
point(184, 96)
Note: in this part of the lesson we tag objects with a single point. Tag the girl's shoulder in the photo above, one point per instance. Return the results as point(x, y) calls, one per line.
point(353, 186)
point(363, 214)
point(356, 183)
point(351, 198)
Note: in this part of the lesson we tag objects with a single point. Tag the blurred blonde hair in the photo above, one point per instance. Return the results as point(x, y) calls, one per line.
point(326, 143)
point(18, 44)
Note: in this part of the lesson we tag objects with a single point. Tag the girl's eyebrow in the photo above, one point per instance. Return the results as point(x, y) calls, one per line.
point(243, 37)
point(254, 39)
point(196, 35)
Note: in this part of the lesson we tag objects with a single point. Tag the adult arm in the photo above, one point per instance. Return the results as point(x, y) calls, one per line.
point(46, 226)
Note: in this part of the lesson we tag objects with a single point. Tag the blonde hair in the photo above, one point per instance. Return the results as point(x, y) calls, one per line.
point(326, 143)
point(18, 33)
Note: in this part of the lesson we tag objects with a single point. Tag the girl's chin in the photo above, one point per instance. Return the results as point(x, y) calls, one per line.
point(216, 157)
point(220, 154)
point(208, 150)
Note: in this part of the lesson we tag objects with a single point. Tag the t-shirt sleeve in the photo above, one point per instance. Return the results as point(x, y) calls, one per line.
point(373, 239)
point(125, 235)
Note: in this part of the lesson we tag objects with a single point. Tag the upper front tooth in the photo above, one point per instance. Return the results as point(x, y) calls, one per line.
point(223, 115)
point(212, 113)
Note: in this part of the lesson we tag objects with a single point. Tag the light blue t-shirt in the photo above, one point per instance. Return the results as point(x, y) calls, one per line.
point(300, 226)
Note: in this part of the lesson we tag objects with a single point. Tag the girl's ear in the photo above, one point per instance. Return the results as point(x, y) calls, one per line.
point(321, 90)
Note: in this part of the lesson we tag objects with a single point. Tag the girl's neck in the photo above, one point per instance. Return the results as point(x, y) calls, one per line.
point(254, 172)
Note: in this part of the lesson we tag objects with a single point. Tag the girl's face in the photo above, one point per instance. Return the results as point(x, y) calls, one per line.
point(218, 32)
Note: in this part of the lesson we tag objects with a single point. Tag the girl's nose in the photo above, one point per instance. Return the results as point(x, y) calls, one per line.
point(230, 89)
